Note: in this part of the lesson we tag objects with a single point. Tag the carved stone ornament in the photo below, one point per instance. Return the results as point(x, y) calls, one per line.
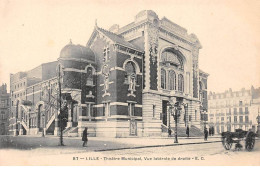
point(105, 70)
point(153, 52)
point(153, 34)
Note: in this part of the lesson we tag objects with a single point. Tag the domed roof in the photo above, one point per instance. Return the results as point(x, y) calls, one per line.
point(77, 52)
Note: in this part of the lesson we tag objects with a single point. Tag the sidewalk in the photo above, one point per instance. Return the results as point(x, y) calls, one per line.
point(135, 143)
point(49, 144)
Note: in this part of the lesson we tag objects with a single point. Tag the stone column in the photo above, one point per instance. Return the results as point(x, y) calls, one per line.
point(56, 129)
point(69, 123)
point(21, 128)
point(182, 115)
point(44, 123)
point(80, 127)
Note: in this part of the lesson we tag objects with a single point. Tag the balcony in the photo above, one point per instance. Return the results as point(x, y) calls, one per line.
point(242, 123)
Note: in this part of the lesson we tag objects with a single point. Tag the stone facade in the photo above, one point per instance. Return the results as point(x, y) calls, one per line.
point(232, 110)
point(4, 110)
point(119, 85)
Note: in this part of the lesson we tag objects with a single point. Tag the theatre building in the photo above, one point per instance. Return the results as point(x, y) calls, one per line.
point(121, 83)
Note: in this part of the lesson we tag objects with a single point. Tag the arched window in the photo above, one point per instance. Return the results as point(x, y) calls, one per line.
point(170, 57)
point(180, 83)
point(130, 68)
point(172, 80)
point(130, 76)
point(90, 79)
point(163, 79)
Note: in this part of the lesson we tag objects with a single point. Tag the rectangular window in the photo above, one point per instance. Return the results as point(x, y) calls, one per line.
point(246, 119)
point(190, 117)
point(240, 103)
point(90, 110)
point(154, 110)
point(241, 119)
point(131, 109)
point(240, 110)
point(222, 118)
point(106, 54)
point(235, 110)
point(106, 109)
point(246, 110)
point(235, 118)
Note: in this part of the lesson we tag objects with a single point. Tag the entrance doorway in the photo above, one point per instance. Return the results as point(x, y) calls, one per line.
point(164, 112)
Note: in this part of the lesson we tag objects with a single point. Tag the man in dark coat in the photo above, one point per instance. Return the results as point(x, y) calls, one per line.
point(85, 137)
point(188, 131)
point(205, 134)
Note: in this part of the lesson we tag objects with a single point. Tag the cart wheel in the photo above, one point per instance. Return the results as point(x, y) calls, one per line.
point(250, 141)
point(227, 141)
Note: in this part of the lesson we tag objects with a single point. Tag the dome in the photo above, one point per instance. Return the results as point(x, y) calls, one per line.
point(77, 52)
point(146, 13)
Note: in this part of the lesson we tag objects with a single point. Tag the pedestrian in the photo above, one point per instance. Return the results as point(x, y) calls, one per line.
point(85, 137)
point(205, 134)
point(188, 131)
point(169, 132)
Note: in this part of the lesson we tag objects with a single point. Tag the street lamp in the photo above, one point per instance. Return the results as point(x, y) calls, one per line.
point(176, 113)
point(204, 118)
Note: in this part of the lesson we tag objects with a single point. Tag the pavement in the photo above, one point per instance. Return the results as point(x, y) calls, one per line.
point(29, 150)
point(50, 144)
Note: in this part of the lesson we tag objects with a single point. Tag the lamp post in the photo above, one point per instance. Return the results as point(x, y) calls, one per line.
point(175, 114)
point(169, 128)
point(204, 118)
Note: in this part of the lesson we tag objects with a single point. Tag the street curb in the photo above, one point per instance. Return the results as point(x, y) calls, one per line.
point(166, 145)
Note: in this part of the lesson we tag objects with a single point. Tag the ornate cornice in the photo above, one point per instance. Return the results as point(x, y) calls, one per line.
point(78, 60)
point(137, 54)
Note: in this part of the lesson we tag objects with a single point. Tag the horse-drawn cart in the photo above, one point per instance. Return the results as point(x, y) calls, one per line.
point(228, 138)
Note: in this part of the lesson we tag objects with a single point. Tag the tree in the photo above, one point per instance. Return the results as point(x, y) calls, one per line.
point(55, 99)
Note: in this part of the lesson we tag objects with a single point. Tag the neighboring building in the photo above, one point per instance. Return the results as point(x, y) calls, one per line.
point(234, 110)
point(120, 84)
point(4, 109)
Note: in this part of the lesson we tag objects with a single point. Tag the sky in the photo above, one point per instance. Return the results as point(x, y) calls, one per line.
point(34, 32)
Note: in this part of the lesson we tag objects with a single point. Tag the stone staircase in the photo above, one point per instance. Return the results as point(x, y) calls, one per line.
point(181, 131)
point(196, 132)
point(70, 132)
point(24, 124)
